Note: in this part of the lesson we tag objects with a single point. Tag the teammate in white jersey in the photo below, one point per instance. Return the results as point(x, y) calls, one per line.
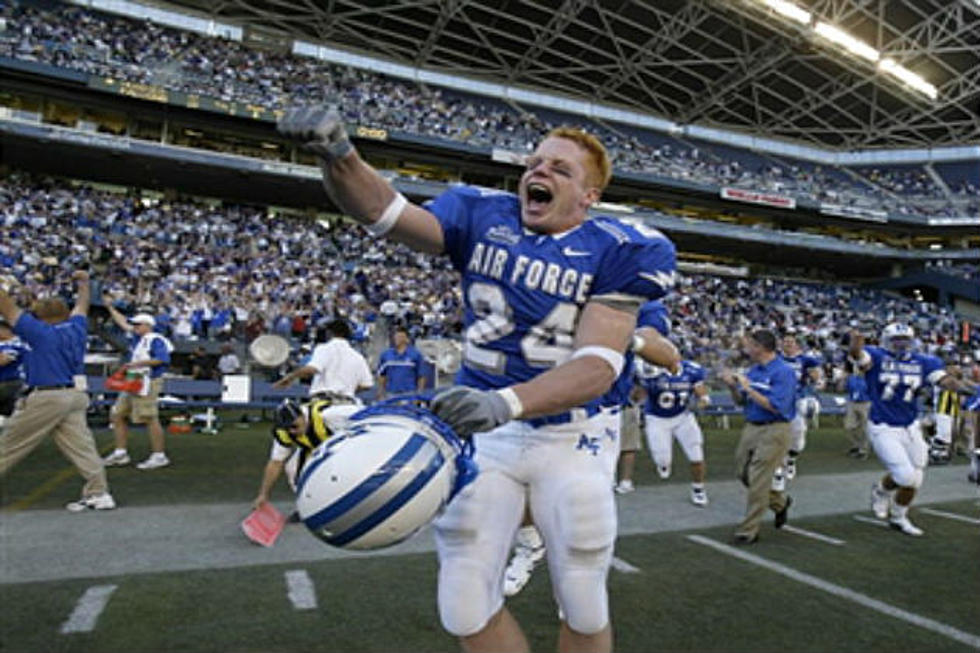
point(894, 372)
point(551, 298)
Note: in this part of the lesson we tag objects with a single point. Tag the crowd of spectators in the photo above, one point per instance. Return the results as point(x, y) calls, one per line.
point(223, 272)
point(231, 272)
point(147, 53)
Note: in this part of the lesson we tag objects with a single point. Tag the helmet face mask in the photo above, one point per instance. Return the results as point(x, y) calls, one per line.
point(898, 339)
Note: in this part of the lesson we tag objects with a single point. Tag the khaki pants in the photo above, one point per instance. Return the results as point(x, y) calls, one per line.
point(140, 409)
point(856, 423)
point(760, 451)
point(61, 413)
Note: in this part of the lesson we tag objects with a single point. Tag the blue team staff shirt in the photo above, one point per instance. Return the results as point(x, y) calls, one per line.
point(57, 351)
point(159, 350)
point(401, 371)
point(669, 395)
point(776, 381)
point(652, 314)
point(857, 388)
point(802, 364)
point(523, 291)
point(893, 382)
point(16, 349)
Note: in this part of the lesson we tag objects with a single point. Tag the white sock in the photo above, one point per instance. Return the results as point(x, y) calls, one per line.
point(698, 486)
point(899, 512)
point(119, 452)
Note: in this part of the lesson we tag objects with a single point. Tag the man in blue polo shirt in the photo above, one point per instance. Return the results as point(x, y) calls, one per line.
point(401, 367)
point(768, 393)
point(56, 400)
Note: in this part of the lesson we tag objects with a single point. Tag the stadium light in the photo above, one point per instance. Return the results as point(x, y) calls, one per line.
point(853, 45)
point(789, 10)
point(906, 76)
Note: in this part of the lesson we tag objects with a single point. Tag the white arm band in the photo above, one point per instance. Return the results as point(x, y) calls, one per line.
point(611, 356)
point(638, 342)
point(513, 402)
point(389, 217)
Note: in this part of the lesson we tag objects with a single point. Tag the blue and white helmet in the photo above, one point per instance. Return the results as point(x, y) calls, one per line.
point(391, 470)
point(898, 338)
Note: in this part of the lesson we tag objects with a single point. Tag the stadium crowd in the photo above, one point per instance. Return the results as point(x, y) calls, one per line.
point(147, 53)
point(214, 271)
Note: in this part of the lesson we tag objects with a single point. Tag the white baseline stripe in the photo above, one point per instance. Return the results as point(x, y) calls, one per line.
point(621, 565)
point(871, 520)
point(861, 599)
point(950, 515)
point(300, 589)
point(789, 528)
point(88, 609)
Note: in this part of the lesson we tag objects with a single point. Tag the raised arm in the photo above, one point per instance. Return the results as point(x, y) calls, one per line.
point(856, 353)
point(116, 316)
point(8, 307)
point(83, 295)
point(354, 186)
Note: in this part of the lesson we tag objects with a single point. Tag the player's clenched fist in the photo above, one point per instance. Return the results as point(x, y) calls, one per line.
point(469, 411)
point(319, 128)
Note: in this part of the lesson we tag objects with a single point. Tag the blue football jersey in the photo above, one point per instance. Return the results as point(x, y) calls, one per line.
point(523, 291)
point(893, 381)
point(652, 314)
point(802, 364)
point(669, 395)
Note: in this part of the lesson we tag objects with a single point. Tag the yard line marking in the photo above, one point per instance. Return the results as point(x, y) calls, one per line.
point(300, 589)
point(88, 609)
point(621, 565)
point(813, 535)
point(950, 515)
point(843, 592)
point(871, 520)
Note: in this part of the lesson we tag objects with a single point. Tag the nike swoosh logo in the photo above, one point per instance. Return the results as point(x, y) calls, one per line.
point(664, 279)
point(568, 251)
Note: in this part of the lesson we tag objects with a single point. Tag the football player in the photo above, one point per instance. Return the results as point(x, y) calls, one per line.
point(297, 430)
point(669, 417)
point(551, 298)
point(809, 378)
point(894, 372)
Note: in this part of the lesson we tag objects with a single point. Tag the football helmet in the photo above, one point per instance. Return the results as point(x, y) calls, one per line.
point(388, 473)
point(898, 338)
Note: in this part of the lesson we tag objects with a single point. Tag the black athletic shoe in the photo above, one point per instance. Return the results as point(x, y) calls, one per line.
point(783, 515)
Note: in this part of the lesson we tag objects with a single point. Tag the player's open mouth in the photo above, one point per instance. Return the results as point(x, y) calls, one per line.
point(538, 196)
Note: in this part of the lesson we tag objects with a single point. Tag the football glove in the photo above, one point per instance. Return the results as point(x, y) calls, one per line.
point(319, 129)
point(469, 411)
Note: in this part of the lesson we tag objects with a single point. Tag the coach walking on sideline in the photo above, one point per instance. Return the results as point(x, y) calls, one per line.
point(54, 403)
point(768, 393)
point(149, 356)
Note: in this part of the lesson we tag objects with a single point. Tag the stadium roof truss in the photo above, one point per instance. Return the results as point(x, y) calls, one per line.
point(723, 63)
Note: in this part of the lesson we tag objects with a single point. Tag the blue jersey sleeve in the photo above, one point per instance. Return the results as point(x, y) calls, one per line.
point(933, 369)
point(642, 267)
point(31, 329)
point(696, 373)
point(653, 314)
point(159, 350)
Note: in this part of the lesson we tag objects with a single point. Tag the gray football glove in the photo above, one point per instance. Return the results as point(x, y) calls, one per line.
point(319, 128)
point(468, 410)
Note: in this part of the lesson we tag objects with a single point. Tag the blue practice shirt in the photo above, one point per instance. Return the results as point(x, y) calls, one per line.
point(776, 381)
point(57, 350)
point(401, 370)
point(857, 388)
point(17, 350)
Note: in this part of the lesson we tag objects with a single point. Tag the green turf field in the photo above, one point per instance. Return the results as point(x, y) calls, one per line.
point(684, 596)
